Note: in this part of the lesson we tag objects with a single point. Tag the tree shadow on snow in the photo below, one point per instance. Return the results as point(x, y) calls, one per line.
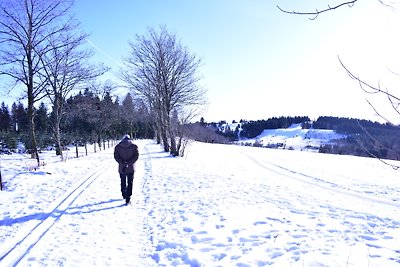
point(56, 213)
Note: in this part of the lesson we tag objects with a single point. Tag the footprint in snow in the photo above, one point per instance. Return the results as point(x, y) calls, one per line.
point(369, 238)
point(299, 236)
point(274, 219)
point(372, 245)
point(276, 254)
point(187, 229)
point(196, 240)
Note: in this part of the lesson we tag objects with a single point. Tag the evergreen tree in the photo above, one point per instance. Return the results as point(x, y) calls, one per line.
point(107, 115)
point(42, 119)
point(78, 120)
point(128, 111)
point(19, 118)
point(5, 118)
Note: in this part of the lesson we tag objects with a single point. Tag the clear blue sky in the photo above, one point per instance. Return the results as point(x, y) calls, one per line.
point(257, 61)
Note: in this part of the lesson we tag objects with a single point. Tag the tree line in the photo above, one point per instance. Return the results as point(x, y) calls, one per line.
point(364, 138)
point(90, 117)
point(251, 129)
point(43, 55)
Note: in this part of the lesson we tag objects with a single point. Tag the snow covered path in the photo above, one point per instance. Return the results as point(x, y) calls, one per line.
point(101, 229)
point(220, 205)
point(88, 225)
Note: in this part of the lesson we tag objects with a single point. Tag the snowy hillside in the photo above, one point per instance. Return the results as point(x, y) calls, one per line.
point(293, 137)
point(220, 205)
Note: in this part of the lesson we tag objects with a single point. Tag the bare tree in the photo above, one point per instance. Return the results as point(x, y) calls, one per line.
point(164, 73)
point(25, 28)
point(65, 67)
point(181, 125)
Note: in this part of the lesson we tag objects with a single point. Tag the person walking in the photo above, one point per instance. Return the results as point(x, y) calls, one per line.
point(126, 154)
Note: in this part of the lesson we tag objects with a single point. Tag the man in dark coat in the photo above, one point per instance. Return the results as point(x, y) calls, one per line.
point(126, 154)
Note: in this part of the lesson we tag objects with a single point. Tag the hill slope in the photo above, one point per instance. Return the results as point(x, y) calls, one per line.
point(293, 137)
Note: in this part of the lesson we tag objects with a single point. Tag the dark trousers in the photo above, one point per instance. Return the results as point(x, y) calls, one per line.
point(126, 184)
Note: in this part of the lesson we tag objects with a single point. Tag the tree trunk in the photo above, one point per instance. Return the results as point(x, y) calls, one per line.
point(31, 98)
point(162, 133)
point(57, 139)
point(157, 134)
point(32, 135)
point(164, 138)
point(56, 125)
point(179, 147)
point(58, 143)
point(173, 148)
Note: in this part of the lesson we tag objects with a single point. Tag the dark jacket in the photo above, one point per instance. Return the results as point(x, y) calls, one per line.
point(126, 154)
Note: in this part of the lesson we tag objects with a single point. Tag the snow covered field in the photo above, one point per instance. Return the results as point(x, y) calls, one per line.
point(220, 205)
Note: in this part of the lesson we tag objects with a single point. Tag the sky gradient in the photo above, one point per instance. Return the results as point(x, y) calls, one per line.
point(258, 62)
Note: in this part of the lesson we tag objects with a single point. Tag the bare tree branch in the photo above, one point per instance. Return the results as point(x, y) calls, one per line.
point(377, 113)
point(366, 87)
point(317, 12)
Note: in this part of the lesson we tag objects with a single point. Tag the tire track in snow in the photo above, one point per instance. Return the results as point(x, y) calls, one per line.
point(22, 247)
point(360, 226)
point(315, 181)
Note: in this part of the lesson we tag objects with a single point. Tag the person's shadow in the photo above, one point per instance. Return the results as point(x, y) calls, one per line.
point(95, 207)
